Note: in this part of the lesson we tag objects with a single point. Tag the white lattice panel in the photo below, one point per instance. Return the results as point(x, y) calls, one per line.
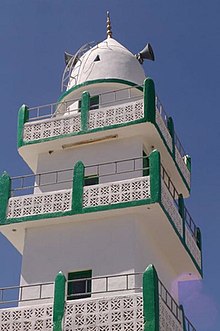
point(124, 113)
point(182, 166)
point(116, 192)
point(164, 130)
point(167, 320)
point(32, 318)
point(169, 205)
point(51, 128)
point(28, 205)
point(192, 245)
point(121, 313)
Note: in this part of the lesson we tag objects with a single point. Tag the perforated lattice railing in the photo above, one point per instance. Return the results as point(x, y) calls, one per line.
point(51, 127)
point(117, 192)
point(119, 114)
point(107, 313)
point(32, 318)
point(30, 205)
point(193, 247)
point(163, 128)
point(169, 205)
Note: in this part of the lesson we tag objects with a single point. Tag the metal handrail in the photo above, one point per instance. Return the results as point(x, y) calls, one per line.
point(179, 145)
point(161, 110)
point(18, 291)
point(107, 287)
point(53, 106)
point(169, 301)
point(189, 325)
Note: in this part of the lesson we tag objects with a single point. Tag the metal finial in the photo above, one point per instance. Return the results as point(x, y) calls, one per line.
point(109, 28)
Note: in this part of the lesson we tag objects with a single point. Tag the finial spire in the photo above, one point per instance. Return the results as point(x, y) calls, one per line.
point(109, 28)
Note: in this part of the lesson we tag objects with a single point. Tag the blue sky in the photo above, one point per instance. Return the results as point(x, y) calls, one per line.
point(185, 37)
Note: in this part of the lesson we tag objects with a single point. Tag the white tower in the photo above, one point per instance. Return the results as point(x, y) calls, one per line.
point(106, 200)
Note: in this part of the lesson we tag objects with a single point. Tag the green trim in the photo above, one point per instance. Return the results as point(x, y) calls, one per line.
point(59, 301)
point(118, 205)
point(188, 162)
point(182, 213)
point(183, 318)
point(85, 106)
point(23, 116)
point(200, 270)
point(77, 191)
point(5, 188)
point(170, 126)
point(149, 101)
point(155, 176)
point(98, 81)
point(150, 299)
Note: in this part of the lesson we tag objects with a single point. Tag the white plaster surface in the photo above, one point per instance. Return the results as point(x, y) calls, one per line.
point(115, 62)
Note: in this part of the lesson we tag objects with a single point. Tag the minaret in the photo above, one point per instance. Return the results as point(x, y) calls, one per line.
point(105, 204)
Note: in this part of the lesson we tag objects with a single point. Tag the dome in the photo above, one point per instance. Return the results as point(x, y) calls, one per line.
point(108, 59)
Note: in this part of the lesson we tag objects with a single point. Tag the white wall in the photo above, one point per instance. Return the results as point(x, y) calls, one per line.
point(107, 246)
point(91, 154)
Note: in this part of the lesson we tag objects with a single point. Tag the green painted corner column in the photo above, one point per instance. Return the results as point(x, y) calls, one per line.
point(150, 299)
point(85, 106)
point(182, 213)
point(23, 116)
point(149, 100)
point(59, 301)
point(155, 176)
point(170, 125)
point(5, 188)
point(78, 183)
point(188, 162)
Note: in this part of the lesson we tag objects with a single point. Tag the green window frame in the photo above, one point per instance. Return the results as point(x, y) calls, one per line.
point(79, 284)
point(146, 165)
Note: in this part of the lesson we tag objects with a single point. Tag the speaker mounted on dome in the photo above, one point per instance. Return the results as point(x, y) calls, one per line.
point(146, 53)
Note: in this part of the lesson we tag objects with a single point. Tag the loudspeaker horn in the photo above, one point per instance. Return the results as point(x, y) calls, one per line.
point(146, 53)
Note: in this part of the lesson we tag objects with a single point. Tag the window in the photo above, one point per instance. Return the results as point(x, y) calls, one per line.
point(79, 284)
point(145, 164)
point(94, 103)
point(91, 180)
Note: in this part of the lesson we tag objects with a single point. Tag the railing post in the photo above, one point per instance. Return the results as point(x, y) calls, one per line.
point(155, 176)
point(182, 213)
point(183, 318)
point(77, 190)
point(23, 116)
point(85, 106)
point(149, 101)
point(170, 126)
point(150, 299)
point(59, 301)
point(5, 188)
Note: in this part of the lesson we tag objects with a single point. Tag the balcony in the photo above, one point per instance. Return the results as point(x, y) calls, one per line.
point(116, 302)
point(139, 185)
point(53, 126)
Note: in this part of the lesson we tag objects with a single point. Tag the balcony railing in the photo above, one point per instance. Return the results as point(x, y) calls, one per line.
point(115, 301)
point(116, 108)
point(104, 186)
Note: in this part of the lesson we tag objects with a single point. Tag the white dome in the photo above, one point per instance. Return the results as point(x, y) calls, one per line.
point(108, 59)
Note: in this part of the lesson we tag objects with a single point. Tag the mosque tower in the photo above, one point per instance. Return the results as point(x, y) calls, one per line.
point(101, 223)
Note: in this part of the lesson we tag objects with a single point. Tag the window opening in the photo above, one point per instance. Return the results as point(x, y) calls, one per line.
point(94, 103)
point(91, 180)
point(145, 164)
point(79, 285)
